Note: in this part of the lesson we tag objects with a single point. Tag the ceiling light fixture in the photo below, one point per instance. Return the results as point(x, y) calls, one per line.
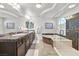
point(38, 5)
point(71, 6)
point(69, 17)
point(15, 6)
point(1, 6)
point(28, 17)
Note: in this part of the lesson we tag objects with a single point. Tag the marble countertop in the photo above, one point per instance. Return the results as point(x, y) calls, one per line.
point(12, 38)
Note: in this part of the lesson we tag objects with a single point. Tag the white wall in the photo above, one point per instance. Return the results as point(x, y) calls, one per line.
point(19, 22)
point(1, 26)
point(9, 20)
point(40, 25)
point(54, 30)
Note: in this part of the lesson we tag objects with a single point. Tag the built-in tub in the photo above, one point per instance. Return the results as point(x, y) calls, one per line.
point(60, 39)
point(62, 45)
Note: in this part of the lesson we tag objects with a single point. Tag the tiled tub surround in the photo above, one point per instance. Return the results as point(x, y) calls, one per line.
point(62, 46)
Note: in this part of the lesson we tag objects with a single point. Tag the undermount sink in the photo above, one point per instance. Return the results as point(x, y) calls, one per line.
point(18, 34)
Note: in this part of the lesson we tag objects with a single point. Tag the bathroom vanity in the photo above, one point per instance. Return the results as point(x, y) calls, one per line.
point(16, 44)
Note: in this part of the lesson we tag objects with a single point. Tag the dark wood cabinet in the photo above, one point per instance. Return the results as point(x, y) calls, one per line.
point(21, 50)
point(72, 30)
point(74, 39)
point(16, 48)
point(16, 45)
point(27, 43)
point(7, 48)
point(29, 40)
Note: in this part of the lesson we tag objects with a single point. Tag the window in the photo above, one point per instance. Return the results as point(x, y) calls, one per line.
point(61, 22)
point(62, 26)
point(29, 25)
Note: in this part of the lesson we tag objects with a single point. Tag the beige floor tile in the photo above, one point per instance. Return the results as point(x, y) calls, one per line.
point(46, 50)
point(30, 52)
point(41, 49)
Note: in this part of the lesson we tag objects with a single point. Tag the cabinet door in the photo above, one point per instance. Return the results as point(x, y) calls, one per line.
point(75, 40)
point(78, 40)
point(7, 48)
point(30, 38)
point(27, 45)
point(67, 24)
point(21, 50)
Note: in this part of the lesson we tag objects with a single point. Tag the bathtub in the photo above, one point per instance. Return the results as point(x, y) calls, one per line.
point(62, 46)
point(59, 39)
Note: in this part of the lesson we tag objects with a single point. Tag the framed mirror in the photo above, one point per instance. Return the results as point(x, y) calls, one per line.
point(48, 25)
point(10, 25)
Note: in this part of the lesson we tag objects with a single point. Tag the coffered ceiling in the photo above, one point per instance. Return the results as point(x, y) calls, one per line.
point(47, 10)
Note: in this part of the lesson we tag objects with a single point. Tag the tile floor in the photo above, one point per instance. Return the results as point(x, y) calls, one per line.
point(39, 48)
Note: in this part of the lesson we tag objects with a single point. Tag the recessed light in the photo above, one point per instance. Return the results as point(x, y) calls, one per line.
point(1, 6)
point(71, 6)
point(38, 5)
